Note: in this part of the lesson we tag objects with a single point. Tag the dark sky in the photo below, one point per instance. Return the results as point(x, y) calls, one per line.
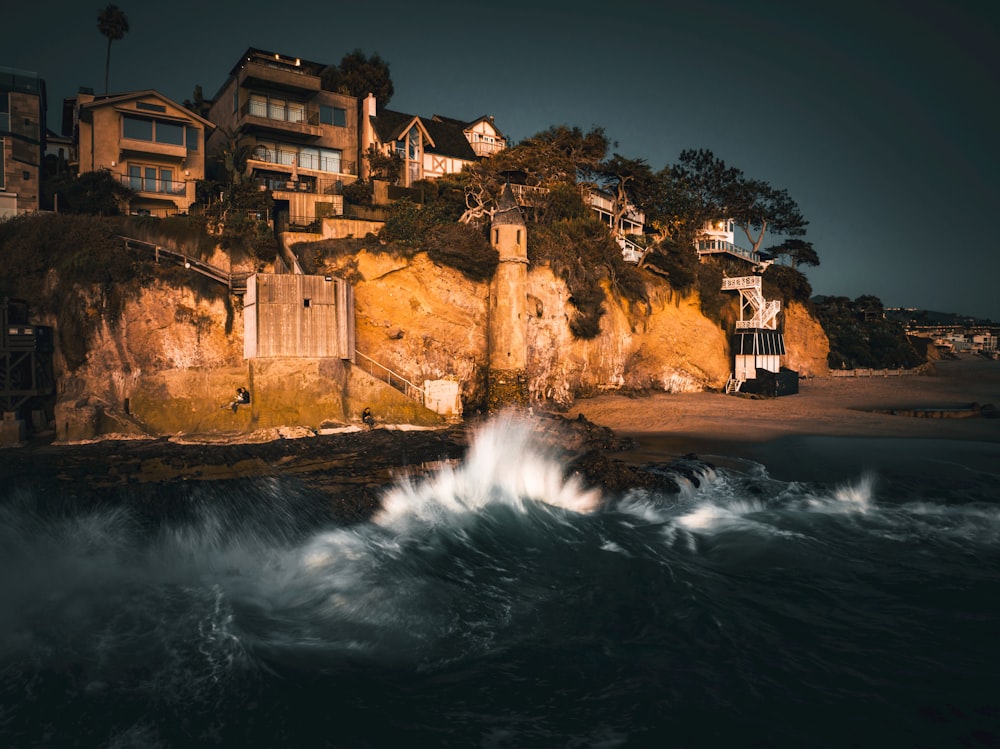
point(880, 118)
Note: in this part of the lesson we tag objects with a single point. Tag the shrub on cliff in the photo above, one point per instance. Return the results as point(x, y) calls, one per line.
point(463, 248)
point(582, 253)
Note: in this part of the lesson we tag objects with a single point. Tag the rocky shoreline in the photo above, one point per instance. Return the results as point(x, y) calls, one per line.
point(350, 469)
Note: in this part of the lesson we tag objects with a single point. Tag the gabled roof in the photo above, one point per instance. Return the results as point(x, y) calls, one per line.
point(468, 124)
point(117, 99)
point(445, 137)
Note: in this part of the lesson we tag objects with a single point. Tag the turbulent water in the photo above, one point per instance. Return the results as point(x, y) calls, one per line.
point(498, 604)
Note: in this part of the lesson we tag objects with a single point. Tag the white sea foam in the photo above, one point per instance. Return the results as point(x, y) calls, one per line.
point(508, 463)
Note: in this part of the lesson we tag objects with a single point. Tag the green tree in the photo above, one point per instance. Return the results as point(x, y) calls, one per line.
point(717, 191)
point(113, 24)
point(97, 193)
point(798, 252)
point(198, 103)
point(359, 75)
point(630, 181)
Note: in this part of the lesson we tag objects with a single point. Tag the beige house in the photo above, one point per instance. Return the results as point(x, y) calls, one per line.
point(303, 140)
point(430, 148)
point(22, 140)
point(148, 142)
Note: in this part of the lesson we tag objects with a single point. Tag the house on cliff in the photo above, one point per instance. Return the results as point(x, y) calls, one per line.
point(302, 139)
point(429, 148)
point(148, 142)
point(22, 140)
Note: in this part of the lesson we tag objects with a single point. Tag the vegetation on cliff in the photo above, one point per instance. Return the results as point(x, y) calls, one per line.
point(76, 271)
point(862, 336)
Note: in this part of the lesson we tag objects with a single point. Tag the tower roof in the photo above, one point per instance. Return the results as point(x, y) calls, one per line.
point(507, 211)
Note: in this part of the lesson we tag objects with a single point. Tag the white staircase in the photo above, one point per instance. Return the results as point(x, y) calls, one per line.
point(755, 311)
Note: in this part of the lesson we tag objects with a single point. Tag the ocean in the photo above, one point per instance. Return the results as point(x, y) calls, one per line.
point(498, 603)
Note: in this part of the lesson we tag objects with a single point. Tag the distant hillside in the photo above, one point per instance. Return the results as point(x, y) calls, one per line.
point(923, 317)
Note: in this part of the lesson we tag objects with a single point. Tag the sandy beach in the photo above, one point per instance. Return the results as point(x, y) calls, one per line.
point(831, 421)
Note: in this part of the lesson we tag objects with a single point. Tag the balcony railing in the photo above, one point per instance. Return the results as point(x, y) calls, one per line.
point(714, 246)
point(312, 185)
point(299, 114)
point(161, 186)
point(292, 160)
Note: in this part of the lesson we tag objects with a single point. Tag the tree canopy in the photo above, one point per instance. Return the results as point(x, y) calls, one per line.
point(359, 75)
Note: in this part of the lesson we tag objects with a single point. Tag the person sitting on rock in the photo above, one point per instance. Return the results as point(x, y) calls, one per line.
point(242, 398)
point(367, 418)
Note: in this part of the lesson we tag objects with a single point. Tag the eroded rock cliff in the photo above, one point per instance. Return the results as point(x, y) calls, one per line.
point(172, 357)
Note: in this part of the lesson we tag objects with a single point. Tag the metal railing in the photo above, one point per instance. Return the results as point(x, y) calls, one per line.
point(150, 184)
point(237, 282)
point(397, 381)
point(296, 115)
point(715, 246)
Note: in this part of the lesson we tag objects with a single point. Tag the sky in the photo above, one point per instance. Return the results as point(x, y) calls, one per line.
point(880, 118)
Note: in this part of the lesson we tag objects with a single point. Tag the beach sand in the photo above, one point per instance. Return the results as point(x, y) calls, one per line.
point(832, 426)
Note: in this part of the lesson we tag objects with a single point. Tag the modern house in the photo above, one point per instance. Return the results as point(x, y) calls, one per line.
point(303, 140)
point(22, 140)
point(146, 141)
point(430, 148)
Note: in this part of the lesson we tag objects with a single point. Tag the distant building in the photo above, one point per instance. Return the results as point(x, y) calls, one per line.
point(22, 140)
point(146, 141)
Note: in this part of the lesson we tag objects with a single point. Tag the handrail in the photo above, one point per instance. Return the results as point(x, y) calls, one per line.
point(236, 282)
point(404, 386)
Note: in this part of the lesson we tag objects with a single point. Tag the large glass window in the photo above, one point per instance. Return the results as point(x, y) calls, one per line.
point(333, 116)
point(4, 112)
point(192, 139)
point(276, 109)
point(309, 158)
point(329, 160)
point(170, 132)
point(3, 166)
point(135, 177)
point(166, 181)
point(296, 112)
point(137, 128)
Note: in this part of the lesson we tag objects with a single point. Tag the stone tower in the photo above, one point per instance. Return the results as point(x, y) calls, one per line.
point(507, 335)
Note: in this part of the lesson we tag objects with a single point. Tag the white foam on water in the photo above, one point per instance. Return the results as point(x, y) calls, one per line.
point(508, 463)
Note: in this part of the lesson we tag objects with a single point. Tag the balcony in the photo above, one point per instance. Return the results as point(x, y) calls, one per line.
point(275, 75)
point(302, 120)
point(148, 186)
point(290, 162)
point(485, 148)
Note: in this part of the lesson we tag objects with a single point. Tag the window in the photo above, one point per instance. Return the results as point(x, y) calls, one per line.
point(153, 131)
point(333, 115)
point(152, 179)
point(191, 138)
point(170, 133)
point(150, 107)
point(309, 158)
point(329, 160)
point(3, 166)
point(137, 128)
point(4, 112)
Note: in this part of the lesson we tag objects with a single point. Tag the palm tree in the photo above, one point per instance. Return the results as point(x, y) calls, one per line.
point(113, 24)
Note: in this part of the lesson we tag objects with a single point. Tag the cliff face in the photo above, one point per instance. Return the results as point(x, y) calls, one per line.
point(429, 322)
point(172, 358)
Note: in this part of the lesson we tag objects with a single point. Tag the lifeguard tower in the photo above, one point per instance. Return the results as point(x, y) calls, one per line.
point(758, 345)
